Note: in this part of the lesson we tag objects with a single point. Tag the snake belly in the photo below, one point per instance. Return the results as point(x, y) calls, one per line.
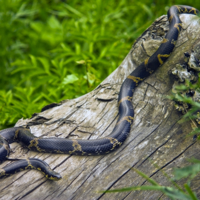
point(122, 128)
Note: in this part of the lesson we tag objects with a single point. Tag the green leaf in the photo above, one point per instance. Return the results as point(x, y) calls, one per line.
point(168, 191)
point(36, 26)
point(190, 192)
point(70, 79)
point(45, 64)
point(81, 62)
point(191, 171)
point(54, 23)
point(91, 78)
point(73, 10)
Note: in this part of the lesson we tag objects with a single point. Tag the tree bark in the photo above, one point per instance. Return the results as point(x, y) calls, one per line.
point(156, 135)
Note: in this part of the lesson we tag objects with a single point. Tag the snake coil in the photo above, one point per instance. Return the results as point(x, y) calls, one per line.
point(122, 127)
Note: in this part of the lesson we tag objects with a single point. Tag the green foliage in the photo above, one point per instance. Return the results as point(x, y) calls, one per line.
point(52, 50)
point(181, 97)
point(56, 50)
point(175, 192)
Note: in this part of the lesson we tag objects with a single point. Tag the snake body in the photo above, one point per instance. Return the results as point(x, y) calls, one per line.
point(122, 127)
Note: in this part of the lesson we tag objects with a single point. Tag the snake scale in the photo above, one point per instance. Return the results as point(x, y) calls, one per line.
point(122, 127)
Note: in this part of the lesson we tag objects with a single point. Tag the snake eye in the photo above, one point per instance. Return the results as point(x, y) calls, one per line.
point(55, 177)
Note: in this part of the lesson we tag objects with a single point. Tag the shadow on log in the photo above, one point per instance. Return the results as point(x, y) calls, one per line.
point(156, 135)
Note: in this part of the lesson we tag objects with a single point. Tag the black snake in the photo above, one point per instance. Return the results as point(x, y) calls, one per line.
point(122, 127)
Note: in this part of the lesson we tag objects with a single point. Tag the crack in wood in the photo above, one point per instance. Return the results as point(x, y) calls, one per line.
point(116, 181)
point(69, 184)
point(170, 162)
point(26, 194)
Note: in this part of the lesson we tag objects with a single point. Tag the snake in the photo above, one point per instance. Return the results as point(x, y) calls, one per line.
point(123, 125)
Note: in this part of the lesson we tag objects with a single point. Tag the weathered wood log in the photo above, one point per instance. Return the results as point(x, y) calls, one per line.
point(156, 135)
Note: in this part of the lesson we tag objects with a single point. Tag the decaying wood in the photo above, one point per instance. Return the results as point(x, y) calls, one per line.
point(156, 135)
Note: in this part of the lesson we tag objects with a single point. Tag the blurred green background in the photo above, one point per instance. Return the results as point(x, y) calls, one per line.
point(56, 50)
